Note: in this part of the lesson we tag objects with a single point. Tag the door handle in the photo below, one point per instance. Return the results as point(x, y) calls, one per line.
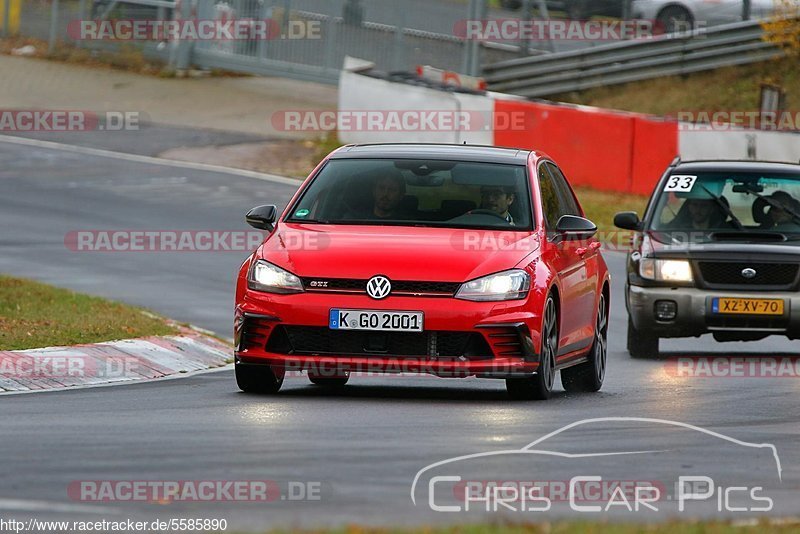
point(593, 247)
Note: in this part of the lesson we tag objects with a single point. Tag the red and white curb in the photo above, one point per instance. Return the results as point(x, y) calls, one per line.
point(111, 362)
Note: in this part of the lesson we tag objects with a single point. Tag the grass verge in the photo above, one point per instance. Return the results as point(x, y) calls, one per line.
point(727, 89)
point(127, 58)
point(601, 206)
point(34, 315)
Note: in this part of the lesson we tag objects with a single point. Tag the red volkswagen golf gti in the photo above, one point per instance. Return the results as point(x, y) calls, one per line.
point(444, 259)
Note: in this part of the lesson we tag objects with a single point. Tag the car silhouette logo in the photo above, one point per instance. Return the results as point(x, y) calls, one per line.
point(749, 273)
point(379, 287)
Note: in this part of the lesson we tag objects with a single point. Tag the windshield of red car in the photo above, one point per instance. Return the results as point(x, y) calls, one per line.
point(407, 192)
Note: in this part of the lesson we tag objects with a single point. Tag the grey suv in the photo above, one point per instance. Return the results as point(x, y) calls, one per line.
point(718, 251)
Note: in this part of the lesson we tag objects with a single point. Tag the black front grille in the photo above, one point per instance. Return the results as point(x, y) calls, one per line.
point(254, 333)
point(425, 287)
point(398, 286)
point(321, 340)
point(730, 274)
point(506, 341)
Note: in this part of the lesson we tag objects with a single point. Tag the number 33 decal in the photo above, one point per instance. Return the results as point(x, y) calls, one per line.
point(680, 183)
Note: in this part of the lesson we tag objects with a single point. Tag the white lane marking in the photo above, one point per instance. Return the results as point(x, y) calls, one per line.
point(21, 505)
point(149, 159)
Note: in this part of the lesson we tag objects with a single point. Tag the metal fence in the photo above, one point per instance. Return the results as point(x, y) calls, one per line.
point(397, 47)
point(734, 44)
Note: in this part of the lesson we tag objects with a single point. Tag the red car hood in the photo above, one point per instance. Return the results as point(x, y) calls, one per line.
point(401, 253)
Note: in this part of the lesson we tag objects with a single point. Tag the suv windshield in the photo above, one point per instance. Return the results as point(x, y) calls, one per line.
point(705, 206)
point(417, 193)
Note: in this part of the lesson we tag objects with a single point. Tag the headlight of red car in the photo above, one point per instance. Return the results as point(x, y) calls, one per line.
point(269, 278)
point(508, 285)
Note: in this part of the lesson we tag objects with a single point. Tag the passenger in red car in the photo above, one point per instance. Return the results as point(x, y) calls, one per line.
point(388, 193)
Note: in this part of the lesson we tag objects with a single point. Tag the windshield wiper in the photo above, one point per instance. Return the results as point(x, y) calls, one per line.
point(725, 208)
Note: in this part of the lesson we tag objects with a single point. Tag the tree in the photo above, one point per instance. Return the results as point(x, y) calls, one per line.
point(783, 28)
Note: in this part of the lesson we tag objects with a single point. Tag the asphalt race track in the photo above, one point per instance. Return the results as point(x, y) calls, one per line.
point(336, 457)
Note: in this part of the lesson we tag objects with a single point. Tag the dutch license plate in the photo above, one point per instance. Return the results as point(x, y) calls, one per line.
point(732, 306)
point(379, 321)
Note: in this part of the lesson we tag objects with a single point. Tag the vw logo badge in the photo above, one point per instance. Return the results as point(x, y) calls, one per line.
point(749, 273)
point(379, 287)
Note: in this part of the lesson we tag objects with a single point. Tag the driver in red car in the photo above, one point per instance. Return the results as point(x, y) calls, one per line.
point(388, 191)
point(499, 200)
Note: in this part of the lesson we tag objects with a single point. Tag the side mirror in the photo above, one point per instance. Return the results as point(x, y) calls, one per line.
point(262, 217)
point(628, 220)
point(572, 227)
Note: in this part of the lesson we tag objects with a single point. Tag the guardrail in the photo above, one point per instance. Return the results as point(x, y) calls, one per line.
point(734, 44)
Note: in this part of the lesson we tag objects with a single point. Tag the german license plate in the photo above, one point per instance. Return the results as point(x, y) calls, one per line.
point(378, 321)
point(732, 306)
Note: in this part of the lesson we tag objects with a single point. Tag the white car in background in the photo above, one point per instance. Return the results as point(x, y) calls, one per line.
point(683, 15)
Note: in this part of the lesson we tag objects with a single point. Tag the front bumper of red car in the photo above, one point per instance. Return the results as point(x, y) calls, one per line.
point(460, 338)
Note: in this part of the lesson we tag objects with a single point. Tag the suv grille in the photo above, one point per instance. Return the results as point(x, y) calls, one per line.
point(322, 340)
point(399, 287)
point(777, 275)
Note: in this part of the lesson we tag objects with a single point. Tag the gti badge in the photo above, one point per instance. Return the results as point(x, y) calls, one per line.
point(749, 273)
point(379, 287)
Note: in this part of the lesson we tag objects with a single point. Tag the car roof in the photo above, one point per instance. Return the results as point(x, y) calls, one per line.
point(473, 153)
point(765, 167)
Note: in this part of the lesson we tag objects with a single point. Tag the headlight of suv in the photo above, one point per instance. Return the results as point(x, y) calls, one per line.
point(508, 285)
point(666, 270)
point(270, 278)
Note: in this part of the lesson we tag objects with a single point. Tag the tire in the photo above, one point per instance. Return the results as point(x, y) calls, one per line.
point(329, 381)
point(540, 385)
point(641, 344)
point(261, 379)
point(588, 377)
point(675, 18)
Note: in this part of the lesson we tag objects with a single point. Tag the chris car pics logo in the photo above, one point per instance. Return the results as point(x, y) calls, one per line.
point(583, 485)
